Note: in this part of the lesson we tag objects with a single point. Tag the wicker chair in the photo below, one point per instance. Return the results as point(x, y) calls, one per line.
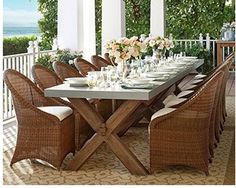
point(181, 136)
point(46, 78)
point(41, 135)
point(99, 61)
point(107, 57)
point(229, 62)
point(84, 66)
point(64, 70)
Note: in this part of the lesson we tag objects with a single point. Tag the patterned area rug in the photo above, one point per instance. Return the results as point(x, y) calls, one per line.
point(104, 168)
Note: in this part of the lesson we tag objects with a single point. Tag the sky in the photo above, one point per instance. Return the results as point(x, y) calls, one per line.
point(20, 13)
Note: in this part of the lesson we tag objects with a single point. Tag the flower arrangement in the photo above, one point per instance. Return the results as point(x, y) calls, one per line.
point(125, 49)
point(158, 43)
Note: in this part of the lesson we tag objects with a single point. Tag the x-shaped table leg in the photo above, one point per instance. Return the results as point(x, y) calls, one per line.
point(106, 132)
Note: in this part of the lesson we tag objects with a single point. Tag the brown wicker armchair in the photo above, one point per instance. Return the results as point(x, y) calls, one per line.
point(84, 66)
point(41, 135)
point(46, 78)
point(64, 70)
point(181, 136)
point(107, 57)
point(99, 61)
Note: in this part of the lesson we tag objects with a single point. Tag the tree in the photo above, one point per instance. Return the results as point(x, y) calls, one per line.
point(186, 19)
point(48, 23)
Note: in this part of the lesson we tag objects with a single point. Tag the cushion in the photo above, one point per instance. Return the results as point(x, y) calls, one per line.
point(184, 93)
point(169, 98)
point(188, 87)
point(200, 76)
point(195, 81)
point(175, 102)
point(162, 112)
point(65, 99)
point(61, 112)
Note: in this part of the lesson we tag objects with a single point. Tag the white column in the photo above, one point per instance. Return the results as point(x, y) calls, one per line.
point(89, 29)
point(113, 20)
point(157, 27)
point(76, 25)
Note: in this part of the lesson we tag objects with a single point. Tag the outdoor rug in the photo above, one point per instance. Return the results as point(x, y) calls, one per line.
point(104, 168)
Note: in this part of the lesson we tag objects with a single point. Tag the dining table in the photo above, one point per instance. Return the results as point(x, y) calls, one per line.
point(106, 130)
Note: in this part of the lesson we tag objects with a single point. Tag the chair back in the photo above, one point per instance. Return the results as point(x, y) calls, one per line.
point(99, 61)
point(202, 102)
point(107, 57)
point(25, 93)
point(44, 77)
point(204, 99)
point(64, 70)
point(84, 66)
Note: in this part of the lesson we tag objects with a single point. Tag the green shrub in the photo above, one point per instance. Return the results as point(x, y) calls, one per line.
point(46, 61)
point(61, 55)
point(16, 45)
point(200, 52)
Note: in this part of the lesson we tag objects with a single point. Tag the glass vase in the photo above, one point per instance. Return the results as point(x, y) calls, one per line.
point(122, 69)
point(156, 54)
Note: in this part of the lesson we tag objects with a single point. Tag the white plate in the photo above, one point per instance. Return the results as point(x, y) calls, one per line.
point(140, 81)
point(94, 73)
point(188, 57)
point(78, 80)
point(157, 77)
point(157, 73)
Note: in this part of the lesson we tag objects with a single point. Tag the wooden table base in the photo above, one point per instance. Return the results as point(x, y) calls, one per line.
point(106, 131)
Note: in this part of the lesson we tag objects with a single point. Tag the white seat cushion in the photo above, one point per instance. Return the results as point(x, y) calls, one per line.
point(169, 98)
point(162, 112)
point(65, 99)
point(200, 76)
point(188, 87)
point(175, 102)
point(195, 81)
point(61, 112)
point(184, 93)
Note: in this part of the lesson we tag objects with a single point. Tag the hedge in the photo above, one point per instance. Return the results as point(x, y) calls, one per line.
point(16, 45)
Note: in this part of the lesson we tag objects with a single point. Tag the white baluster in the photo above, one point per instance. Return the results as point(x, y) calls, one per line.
point(208, 42)
point(201, 39)
point(31, 50)
point(55, 44)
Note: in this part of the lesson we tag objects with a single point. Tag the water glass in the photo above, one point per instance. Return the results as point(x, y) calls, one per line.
point(92, 79)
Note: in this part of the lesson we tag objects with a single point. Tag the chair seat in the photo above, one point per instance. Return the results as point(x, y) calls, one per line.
point(184, 93)
point(200, 76)
point(174, 97)
point(175, 102)
point(188, 87)
point(61, 112)
point(195, 81)
point(169, 98)
point(162, 112)
point(65, 99)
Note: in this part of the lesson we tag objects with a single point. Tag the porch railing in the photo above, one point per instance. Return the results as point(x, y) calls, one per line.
point(23, 63)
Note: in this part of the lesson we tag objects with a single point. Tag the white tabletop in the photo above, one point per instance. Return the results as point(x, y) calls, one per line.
point(64, 90)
